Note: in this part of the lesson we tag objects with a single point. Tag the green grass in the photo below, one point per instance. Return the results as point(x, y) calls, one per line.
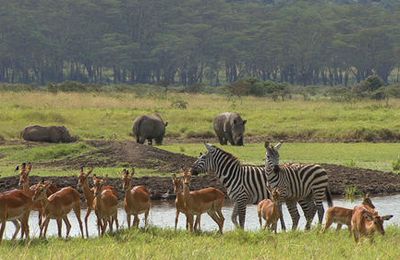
point(378, 156)
point(110, 115)
point(157, 243)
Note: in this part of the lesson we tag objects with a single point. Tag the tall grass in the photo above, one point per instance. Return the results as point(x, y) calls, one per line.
point(101, 115)
point(157, 243)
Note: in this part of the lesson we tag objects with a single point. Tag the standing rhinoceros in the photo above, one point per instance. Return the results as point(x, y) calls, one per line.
point(149, 127)
point(229, 127)
point(51, 134)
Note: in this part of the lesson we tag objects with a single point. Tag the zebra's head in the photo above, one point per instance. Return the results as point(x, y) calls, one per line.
point(203, 163)
point(272, 156)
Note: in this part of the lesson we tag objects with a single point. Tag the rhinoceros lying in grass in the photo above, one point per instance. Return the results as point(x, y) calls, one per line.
point(51, 134)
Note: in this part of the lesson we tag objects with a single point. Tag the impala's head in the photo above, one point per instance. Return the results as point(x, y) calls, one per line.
point(97, 185)
point(127, 178)
point(186, 177)
point(203, 163)
point(83, 177)
point(276, 194)
point(367, 201)
point(25, 169)
point(272, 155)
point(377, 221)
point(177, 182)
point(40, 192)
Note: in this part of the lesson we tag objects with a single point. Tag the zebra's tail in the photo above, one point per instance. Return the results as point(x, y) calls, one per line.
point(328, 197)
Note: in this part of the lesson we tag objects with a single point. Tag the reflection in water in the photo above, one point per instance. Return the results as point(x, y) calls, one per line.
point(162, 214)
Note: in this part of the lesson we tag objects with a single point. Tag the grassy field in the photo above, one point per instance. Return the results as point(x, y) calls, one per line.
point(158, 243)
point(378, 156)
point(110, 115)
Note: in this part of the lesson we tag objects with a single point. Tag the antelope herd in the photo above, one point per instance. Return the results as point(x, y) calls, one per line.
point(55, 203)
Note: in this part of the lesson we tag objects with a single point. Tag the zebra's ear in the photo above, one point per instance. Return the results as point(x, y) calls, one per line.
point(209, 147)
point(266, 144)
point(278, 145)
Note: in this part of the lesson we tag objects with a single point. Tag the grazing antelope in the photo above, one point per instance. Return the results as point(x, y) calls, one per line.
point(137, 199)
point(197, 202)
point(57, 206)
point(270, 211)
point(105, 205)
point(365, 223)
point(342, 216)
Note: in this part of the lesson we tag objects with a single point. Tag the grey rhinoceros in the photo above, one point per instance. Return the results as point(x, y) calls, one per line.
point(51, 134)
point(229, 127)
point(149, 127)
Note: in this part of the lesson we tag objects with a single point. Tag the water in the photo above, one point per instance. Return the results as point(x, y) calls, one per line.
point(162, 214)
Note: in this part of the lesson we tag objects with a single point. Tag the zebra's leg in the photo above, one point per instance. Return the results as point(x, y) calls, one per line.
point(242, 214)
point(283, 226)
point(319, 195)
point(309, 210)
point(235, 214)
point(294, 213)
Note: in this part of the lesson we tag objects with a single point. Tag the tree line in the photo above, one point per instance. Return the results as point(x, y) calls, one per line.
point(192, 42)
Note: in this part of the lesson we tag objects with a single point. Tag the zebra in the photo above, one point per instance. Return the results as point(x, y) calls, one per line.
point(244, 183)
point(299, 182)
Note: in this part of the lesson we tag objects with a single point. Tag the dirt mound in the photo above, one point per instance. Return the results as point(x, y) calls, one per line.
point(128, 153)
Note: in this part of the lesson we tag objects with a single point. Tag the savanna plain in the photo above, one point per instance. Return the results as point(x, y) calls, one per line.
point(317, 131)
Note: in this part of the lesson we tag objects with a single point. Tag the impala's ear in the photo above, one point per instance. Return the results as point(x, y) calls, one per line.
point(278, 145)
point(90, 171)
point(387, 217)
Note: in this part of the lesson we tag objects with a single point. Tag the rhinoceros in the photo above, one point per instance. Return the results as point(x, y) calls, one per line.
point(51, 134)
point(229, 127)
point(149, 127)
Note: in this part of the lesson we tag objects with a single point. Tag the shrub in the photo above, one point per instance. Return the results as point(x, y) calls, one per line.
point(351, 192)
point(72, 86)
point(179, 104)
point(254, 87)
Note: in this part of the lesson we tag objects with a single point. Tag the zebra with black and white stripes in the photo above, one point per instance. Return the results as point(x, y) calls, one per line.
point(299, 182)
point(245, 184)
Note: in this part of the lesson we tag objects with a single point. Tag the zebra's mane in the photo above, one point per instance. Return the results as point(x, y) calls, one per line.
point(230, 156)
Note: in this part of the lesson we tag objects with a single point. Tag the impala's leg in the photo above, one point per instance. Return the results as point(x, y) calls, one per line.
point(68, 225)
point(77, 210)
point(3, 227)
point(291, 205)
point(189, 218)
point(45, 226)
point(17, 229)
point(89, 210)
point(25, 220)
point(146, 217)
point(176, 219)
point(217, 220)
point(59, 226)
point(116, 221)
point(338, 227)
point(136, 220)
point(221, 218)
point(328, 223)
point(197, 223)
point(128, 220)
point(110, 223)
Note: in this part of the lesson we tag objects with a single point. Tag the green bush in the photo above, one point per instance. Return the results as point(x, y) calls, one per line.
point(72, 86)
point(254, 87)
point(396, 164)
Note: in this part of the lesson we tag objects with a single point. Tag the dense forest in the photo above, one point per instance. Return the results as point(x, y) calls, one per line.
point(199, 41)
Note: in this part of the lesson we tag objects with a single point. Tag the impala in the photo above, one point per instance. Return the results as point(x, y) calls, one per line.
point(57, 206)
point(137, 199)
point(105, 205)
point(197, 202)
point(270, 211)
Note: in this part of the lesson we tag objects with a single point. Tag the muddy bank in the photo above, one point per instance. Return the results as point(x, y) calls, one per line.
point(340, 177)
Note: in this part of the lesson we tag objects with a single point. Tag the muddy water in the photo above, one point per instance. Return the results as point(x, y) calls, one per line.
point(162, 214)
